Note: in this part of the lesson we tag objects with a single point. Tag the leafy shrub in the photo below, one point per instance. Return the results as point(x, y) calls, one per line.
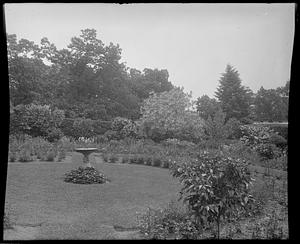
point(100, 127)
point(267, 151)
point(215, 187)
point(156, 162)
point(279, 163)
point(35, 120)
point(254, 135)
point(7, 221)
point(111, 135)
point(125, 159)
point(25, 155)
point(149, 161)
point(67, 127)
point(66, 144)
point(88, 175)
point(169, 222)
point(113, 158)
point(239, 149)
point(50, 156)
point(54, 134)
point(278, 140)
point(12, 156)
point(61, 155)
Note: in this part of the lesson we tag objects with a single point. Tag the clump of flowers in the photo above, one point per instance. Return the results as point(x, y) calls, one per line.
point(87, 175)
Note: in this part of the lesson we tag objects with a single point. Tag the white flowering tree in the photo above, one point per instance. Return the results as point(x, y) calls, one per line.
point(172, 112)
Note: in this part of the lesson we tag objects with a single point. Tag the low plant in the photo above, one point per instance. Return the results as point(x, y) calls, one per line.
point(87, 175)
point(149, 161)
point(156, 162)
point(50, 156)
point(7, 224)
point(61, 154)
point(25, 155)
point(171, 222)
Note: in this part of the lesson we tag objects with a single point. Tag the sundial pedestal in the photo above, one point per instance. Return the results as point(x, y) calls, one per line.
point(86, 152)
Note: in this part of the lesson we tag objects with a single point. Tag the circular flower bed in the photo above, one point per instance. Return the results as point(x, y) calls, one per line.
point(88, 175)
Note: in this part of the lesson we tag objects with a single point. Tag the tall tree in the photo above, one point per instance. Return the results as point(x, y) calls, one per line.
point(235, 99)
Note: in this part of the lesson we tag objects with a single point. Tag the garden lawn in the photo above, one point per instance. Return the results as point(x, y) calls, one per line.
point(36, 195)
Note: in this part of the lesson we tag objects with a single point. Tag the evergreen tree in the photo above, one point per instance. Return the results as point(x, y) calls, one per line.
point(234, 98)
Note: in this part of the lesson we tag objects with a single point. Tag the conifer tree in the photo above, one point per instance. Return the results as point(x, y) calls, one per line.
point(234, 98)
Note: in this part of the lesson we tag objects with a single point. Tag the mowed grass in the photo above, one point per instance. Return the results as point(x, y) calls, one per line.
point(36, 193)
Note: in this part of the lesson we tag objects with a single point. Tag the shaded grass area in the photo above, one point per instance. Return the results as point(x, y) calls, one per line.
point(36, 193)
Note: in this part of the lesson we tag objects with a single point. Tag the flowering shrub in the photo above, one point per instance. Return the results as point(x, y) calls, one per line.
point(35, 120)
point(214, 187)
point(260, 139)
point(254, 135)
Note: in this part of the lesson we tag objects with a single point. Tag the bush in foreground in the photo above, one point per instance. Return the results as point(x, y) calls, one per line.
point(88, 175)
point(215, 188)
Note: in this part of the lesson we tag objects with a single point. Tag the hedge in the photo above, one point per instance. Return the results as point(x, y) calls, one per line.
point(99, 127)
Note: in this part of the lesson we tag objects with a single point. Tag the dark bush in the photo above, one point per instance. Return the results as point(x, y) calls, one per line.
point(149, 161)
point(54, 134)
point(278, 140)
point(156, 162)
point(267, 151)
point(100, 127)
point(88, 175)
point(67, 127)
point(282, 130)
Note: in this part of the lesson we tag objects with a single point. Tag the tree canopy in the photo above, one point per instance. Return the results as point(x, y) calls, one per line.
point(85, 79)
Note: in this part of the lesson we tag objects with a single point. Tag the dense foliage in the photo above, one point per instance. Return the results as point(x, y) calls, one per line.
point(169, 115)
point(86, 79)
point(214, 187)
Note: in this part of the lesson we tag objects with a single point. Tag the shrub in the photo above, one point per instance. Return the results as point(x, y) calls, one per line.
point(125, 159)
point(156, 162)
point(12, 156)
point(113, 158)
point(267, 151)
point(100, 127)
point(67, 127)
point(241, 150)
point(278, 140)
point(253, 135)
point(88, 175)
point(54, 134)
point(50, 156)
point(111, 135)
point(279, 163)
point(25, 155)
point(169, 222)
point(61, 154)
point(214, 188)
point(35, 120)
point(149, 161)
point(7, 221)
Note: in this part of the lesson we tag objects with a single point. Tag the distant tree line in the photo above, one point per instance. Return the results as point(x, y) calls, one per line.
point(86, 79)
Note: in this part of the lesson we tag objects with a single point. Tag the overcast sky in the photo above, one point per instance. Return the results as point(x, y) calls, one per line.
point(194, 42)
